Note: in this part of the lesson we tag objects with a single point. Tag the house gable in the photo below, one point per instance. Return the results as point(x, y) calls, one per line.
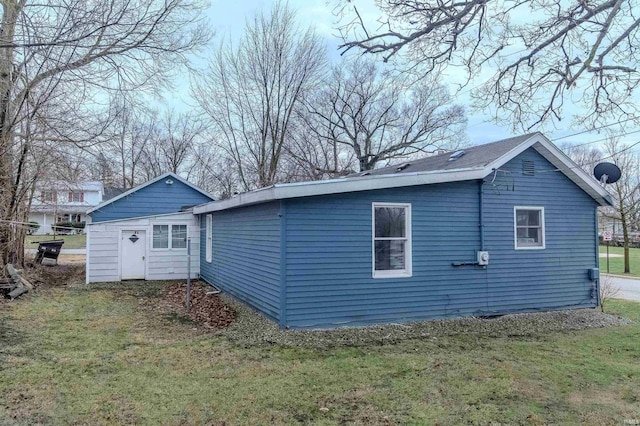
point(157, 197)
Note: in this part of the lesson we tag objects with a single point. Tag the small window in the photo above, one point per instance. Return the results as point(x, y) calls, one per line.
point(48, 197)
point(76, 197)
point(209, 231)
point(391, 240)
point(160, 236)
point(529, 228)
point(169, 236)
point(178, 236)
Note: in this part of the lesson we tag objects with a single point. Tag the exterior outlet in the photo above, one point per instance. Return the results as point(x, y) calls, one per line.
point(483, 258)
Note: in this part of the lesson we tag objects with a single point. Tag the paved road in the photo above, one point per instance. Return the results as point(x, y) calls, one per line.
point(629, 287)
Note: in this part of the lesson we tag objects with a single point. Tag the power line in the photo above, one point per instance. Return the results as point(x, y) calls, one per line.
point(604, 139)
point(595, 129)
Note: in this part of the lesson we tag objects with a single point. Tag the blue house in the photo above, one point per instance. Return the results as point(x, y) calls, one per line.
point(505, 227)
point(142, 233)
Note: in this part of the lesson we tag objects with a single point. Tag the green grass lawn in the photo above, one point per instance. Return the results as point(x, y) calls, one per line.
point(70, 241)
point(616, 264)
point(101, 356)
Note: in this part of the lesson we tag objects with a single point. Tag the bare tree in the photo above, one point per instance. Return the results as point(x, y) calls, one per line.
point(250, 92)
point(134, 132)
point(51, 47)
point(540, 54)
point(313, 151)
point(180, 134)
point(626, 190)
point(381, 117)
point(585, 156)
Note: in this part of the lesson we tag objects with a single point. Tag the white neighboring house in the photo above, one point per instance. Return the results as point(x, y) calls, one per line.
point(64, 202)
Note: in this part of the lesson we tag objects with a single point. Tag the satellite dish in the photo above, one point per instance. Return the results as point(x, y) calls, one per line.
point(607, 172)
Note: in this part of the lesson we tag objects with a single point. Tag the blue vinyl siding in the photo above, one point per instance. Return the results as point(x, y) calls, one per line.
point(246, 255)
point(556, 276)
point(156, 198)
point(328, 252)
point(329, 265)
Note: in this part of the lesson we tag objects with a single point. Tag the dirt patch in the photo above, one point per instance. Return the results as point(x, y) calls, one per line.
point(55, 276)
point(207, 310)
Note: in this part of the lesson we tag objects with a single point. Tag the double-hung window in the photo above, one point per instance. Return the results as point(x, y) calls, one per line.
point(391, 240)
point(169, 237)
point(529, 227)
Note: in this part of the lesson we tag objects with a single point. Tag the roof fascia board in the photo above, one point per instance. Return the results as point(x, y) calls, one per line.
point(144, 185)
point(162, 215)
point(340, 186)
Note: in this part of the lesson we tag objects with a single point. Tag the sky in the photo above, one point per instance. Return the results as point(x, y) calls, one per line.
point(229, 18)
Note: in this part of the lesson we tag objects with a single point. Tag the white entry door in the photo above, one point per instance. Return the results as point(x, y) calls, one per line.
point(133, 254)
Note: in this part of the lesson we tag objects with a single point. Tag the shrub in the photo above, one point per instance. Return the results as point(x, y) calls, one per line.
point(69, 227)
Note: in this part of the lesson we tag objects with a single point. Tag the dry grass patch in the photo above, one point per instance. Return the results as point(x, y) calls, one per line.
point(113, 354)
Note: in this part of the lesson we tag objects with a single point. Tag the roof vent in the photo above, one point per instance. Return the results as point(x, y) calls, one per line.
point(402, 167)
point(456, 155)
point(528, 168)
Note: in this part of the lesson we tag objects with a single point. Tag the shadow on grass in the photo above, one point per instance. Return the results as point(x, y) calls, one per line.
point(10, 339)
point(150, 289)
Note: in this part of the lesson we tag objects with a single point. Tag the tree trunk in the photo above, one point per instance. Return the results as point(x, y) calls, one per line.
point(7, 31)
point(625, 236)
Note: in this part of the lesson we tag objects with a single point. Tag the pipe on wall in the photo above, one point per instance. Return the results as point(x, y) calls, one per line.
point(480, 187)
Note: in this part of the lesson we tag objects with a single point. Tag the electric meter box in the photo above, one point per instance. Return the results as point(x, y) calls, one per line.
point(483, 258)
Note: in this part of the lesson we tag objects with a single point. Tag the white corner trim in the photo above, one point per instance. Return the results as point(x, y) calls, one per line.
point(88, 256)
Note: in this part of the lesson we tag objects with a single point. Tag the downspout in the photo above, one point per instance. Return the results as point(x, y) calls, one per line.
point(482, 246)
point(480, 184)
point(597, 242)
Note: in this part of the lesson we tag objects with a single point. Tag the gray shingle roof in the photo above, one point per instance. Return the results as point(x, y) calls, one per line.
point(475, 156)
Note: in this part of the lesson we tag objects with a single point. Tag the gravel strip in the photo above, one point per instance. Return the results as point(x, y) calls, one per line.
point(251, 328)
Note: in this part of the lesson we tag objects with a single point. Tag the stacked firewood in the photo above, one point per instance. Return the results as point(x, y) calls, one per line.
point(14, 285)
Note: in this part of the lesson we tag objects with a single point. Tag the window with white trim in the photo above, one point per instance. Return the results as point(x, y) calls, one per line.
point(391, 240)
point(209, 238)
point(529, 227)
point(179, 236)
point(160, 236)
point(169, 237)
